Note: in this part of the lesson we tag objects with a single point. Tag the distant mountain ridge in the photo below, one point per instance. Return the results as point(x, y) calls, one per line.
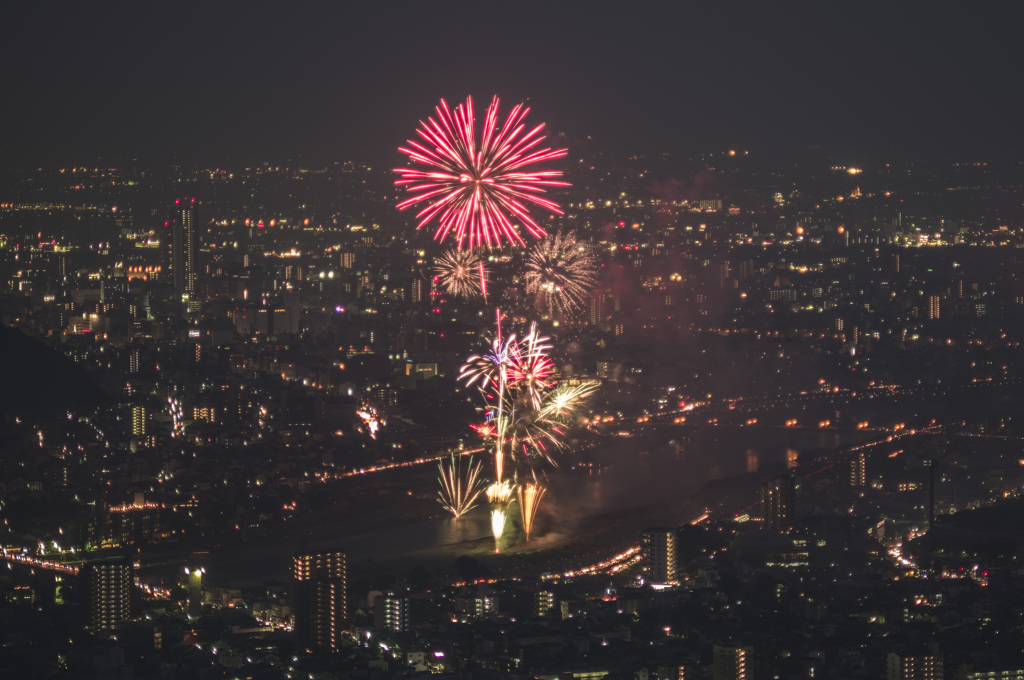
point(35, 379)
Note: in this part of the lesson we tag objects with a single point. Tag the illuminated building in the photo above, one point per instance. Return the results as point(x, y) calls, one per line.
point(347, 260)
point(418, 291)
point(245, 319)
point(188, 223)
point(671, 672)
point(933, 307)
point(391, 612)
point(22, 593)
point(195, 591)
point(968, 672)
point(927, 665)
point(180, 247)
point(139, 420)
point(172, 242)
point(386, 396)
point(598, 303)
point(483, 605)
point(107, 593)
point(658, 546)
point(858, 476)
point(207, 414)
point(123, 525)
point(133, 361)
point(532, 603)
point(731, 663)
point(320, 598)
point(292, 315)
point(778, 503)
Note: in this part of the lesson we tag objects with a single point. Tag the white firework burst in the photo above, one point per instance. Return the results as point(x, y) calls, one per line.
point(560, 272)
point(459, 273)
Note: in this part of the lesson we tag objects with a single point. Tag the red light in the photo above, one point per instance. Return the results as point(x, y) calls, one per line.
point(491, 224)
point(622, 224)
point(176, 201)
point(193, 200)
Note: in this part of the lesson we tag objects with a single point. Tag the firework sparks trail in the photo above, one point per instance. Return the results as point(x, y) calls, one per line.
point(540, 433)
point(457, 495)
point(559, 273)
point(499, 494)
point(530, 368)
point(476, 191)
point(497, 525)
point(493, 369)
point(527, 409)
point(372, 419)
point(564, 401)
point(461, 272)
point(530, 495)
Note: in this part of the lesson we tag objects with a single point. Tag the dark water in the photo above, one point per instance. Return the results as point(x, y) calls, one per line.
point(663, 467)
point(666, 466)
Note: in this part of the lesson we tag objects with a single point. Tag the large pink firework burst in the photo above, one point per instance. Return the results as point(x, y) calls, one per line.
point(479, 191)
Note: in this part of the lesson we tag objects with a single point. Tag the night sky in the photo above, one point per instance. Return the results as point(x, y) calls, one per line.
point(348, 80)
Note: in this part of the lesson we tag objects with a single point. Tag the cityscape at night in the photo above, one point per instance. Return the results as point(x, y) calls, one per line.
point(527, 342)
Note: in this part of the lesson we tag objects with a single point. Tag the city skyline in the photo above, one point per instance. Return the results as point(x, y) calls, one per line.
point(525, 342)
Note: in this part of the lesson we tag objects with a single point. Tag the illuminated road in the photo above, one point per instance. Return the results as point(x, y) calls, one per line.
point(403, 464)
point(27, 560)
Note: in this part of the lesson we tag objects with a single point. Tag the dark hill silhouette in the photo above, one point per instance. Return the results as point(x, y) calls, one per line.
point(35, 379)
point(991, 531)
